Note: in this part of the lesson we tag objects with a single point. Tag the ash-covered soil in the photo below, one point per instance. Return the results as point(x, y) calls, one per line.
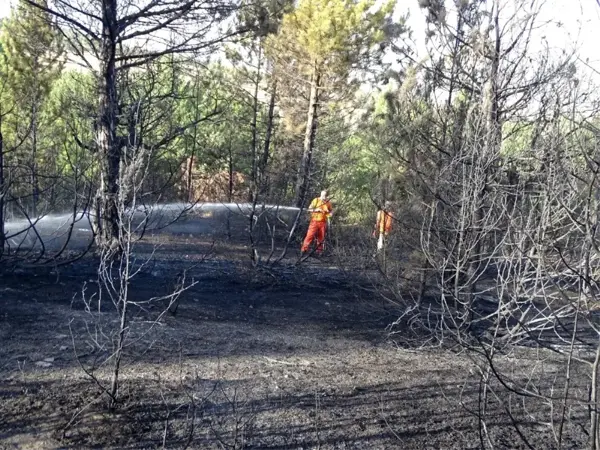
point(284, 358)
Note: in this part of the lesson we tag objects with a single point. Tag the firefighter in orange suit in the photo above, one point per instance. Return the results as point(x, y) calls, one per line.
point(383, 224)
point(321, 210)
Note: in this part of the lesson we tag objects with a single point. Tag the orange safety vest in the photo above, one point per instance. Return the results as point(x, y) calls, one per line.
point(325, 205)
point(384, 221)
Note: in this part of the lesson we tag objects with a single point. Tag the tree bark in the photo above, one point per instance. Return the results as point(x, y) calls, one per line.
point(303, 182)
point(191, 194)
point(190, 168)
point(229, 188)
point(254, 176)
point(35, 188)
point(262, 165)
point(106, 136)
point(491, 148)
point(594, 434)
point(433, 204)
point(2, 235)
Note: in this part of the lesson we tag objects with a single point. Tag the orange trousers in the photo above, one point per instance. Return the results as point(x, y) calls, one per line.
point(316, 230)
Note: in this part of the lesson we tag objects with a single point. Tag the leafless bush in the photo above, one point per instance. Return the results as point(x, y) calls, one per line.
point(507, 236)
point(110, 334)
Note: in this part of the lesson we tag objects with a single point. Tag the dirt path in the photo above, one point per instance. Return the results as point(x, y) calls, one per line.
point(289, 359)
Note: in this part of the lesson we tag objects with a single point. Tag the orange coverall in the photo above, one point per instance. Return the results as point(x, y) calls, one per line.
point(318, 224)
point(383, 224)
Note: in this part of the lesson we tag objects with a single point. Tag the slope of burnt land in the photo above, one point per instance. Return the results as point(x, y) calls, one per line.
point(274, 358)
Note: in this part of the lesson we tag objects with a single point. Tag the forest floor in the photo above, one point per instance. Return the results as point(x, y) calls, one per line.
point(288, 358)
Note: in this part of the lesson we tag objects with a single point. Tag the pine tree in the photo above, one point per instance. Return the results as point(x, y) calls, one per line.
point(33, 50)
point(324, 41)
point(33, 58)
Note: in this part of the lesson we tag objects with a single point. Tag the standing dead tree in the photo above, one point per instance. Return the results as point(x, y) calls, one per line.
point(510, 219)
point(545, 284)
point(3, 187)
point(466, 106)
point(110, 337)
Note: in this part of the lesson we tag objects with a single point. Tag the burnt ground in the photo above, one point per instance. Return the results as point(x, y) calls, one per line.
point(285, 358)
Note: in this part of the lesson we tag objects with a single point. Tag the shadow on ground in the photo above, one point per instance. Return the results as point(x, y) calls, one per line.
point(279, 358)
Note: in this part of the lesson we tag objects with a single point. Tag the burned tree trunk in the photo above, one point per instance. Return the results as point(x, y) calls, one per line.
point(190, 178)
point(2, 235)
point(264, 160)
point(254, 150)
point(488, 159)
point(303, 182)
point(35, 187)
point(106, 135)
